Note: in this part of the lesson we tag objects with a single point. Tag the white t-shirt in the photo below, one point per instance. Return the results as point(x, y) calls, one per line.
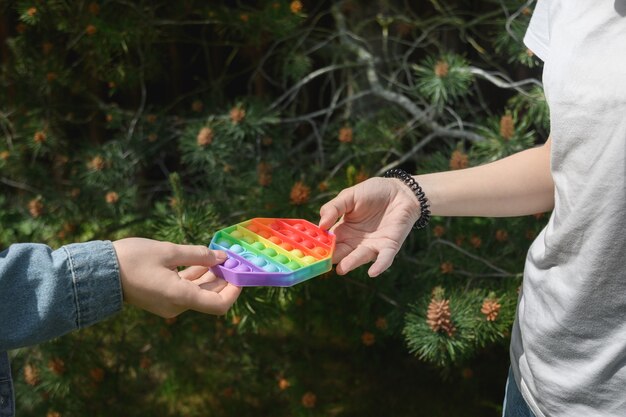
point(568, 346)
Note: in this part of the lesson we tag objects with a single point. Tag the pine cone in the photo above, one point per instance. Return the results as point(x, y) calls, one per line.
point(39, 136)
point(507, 127)
point(264, 171)
point(368, 338)
point(490, 308)
point(309, 399)
point(94, 8)
point(502, 235)
point(295, 7)
point(345, 135)
point(283, 384)
point(438, 317)
point(381, 323)
point(458, 160)
point(91, 30)
point(205, 136)
point(112, 197)
point(446, 267)
point(300, 193)
point(360, 177)
point(57, 366)
point(35, 207)
point(197, 106)
point(441, 69)
point(96, 374)
point(476, 241)
point(31, 375)
point(145, 362)
point(97, 163)
point(237, 114)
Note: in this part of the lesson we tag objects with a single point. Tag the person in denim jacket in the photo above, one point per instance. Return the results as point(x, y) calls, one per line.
point(46, 293)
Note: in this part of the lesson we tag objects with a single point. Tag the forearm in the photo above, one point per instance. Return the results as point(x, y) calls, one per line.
point(520, 184)
point(46, 293)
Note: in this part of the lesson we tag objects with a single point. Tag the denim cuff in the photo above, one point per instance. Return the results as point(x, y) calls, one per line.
point(96, 281)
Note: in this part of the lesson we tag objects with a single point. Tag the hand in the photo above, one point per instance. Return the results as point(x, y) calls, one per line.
point(148, 270)
point(377, 217)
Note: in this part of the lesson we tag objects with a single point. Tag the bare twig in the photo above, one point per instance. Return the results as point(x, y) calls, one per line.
point(403, 101)
point(472, 256)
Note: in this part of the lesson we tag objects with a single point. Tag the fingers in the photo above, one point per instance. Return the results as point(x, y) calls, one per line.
point(359, 256)
point(341, 251)
point(193, 272)
point(335, 208)
point(184, 255)
point(383, 261)
point(211, 302)
point(214, 284)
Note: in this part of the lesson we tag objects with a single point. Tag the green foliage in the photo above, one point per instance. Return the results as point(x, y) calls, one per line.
point(504, 136)
point(171, 120)
point(472, 329)
point(442, 80)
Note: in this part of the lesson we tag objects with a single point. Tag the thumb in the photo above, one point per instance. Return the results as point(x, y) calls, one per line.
point(335, 208)
point(187, 255)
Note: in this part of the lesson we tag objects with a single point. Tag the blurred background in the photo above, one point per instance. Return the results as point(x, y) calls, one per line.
point(171, 120)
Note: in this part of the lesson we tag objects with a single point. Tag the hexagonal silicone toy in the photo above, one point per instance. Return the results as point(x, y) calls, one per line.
point(273, 252)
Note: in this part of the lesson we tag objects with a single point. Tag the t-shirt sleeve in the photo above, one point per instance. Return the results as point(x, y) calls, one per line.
point(537, 37)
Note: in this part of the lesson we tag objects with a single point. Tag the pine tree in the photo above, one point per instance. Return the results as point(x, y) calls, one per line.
point(172, 120)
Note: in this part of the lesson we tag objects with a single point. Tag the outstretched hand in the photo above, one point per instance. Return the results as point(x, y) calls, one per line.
point(151, 281)
point(377, 217)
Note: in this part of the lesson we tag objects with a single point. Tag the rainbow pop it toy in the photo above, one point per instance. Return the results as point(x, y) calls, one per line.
point(273, 252)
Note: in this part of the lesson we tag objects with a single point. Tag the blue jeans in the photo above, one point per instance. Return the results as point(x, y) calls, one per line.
point(514, 403)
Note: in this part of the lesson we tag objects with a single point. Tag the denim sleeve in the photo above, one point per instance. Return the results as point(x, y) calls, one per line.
point(46, 293)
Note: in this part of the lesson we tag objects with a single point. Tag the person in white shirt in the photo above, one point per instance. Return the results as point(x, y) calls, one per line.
point(568, 345)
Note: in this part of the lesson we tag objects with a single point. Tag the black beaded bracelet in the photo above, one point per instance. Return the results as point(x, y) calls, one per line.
point(417, 190)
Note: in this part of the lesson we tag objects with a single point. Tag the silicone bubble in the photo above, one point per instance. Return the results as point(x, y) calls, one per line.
point(308, 259)
point(224, 243)
point(258, 261)
point(237, 248)
point(231, 263)
point(286, 246)
point(271, 268)
point(270, 252)
point(293, 265)
point(258, 245)
point(242, 268)
point(320, 251)
point(281, 258)
point(273, 252)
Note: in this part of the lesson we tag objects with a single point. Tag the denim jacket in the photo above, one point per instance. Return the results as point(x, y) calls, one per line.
point(46, 293)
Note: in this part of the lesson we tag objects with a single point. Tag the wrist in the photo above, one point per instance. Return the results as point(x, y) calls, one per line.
point(412, 189)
